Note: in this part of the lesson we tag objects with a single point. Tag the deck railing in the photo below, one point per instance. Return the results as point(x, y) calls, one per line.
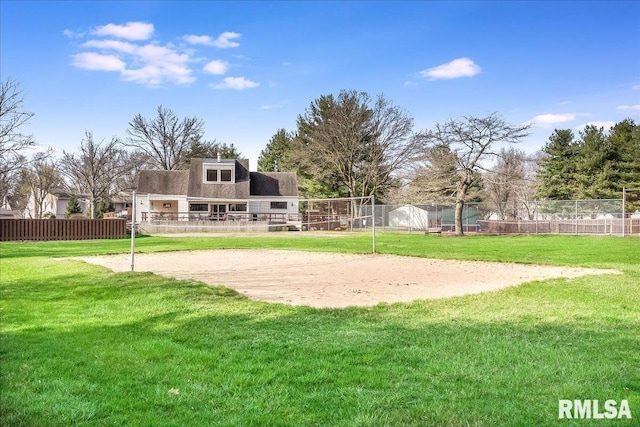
point(271, 217)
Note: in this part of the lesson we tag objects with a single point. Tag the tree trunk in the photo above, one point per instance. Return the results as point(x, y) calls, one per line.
point(92, 207)
point(458, 217)
point(461, 195)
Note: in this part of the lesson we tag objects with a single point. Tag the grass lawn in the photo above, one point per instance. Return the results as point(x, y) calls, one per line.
point(83, 346)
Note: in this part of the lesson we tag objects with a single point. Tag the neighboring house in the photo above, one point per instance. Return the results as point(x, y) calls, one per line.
point(9, 214)
point(120, 206)
point(216, 190)
point(54, 203)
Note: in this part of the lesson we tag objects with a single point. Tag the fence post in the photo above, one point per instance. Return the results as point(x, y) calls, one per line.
point(576, 218)
point(373, 221)
point(535, 213)
point(624, 198)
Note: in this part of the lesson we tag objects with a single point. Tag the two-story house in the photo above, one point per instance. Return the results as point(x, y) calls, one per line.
point(216, 190)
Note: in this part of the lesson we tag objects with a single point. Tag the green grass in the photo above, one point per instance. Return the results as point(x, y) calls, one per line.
point(82, 346)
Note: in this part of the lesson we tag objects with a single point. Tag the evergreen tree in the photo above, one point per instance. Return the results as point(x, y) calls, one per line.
point(557, 172)
point(597, 166)
point(353, 144)
point(211, 149)
point(625, 140)
point(73, 207)
point(275, 156)
point(596, 175)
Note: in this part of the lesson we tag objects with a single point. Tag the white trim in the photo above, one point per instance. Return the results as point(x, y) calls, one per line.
point(198, 199)
point(161, 196)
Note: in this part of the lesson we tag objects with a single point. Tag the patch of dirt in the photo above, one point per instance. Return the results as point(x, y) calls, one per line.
point(324, 280)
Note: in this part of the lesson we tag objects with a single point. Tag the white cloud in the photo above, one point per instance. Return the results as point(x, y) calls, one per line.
point(96, 61)
point(161, 64)
point(129, 31)
point(237, 83)
point(635, 107)
point(72, 34)
point(216, 67)
point(149, 64)
point(223, 41)
point(636, 87)
point(125, 49)
point(549, 120)
point(117, 45)
point(161, 54)
point(461, 67)
point(157, 74)
point(203, 40)
point(599, 124)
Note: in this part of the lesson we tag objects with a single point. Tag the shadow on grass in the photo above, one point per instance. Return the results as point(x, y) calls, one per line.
point(273, 365)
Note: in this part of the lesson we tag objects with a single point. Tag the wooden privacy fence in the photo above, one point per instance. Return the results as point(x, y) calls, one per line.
point(62, 229)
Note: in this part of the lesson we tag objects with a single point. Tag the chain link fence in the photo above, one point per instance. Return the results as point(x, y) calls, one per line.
point(594, 216)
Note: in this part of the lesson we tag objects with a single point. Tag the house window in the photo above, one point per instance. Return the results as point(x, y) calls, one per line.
point(219, 175)
point(238, 207)
point(198, 207)
point(212, 175)
point(278, 205)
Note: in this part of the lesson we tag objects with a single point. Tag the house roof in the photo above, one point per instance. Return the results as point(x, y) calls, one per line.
point(274, 184)
point(8, 213)
point(238, 190)
point(62, 194)
point(163, 182)
point(190, 182)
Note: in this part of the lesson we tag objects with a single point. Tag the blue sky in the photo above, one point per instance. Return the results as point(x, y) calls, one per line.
point(248, 69)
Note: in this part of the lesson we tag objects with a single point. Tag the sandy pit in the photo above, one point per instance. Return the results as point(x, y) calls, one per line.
point(325, 280)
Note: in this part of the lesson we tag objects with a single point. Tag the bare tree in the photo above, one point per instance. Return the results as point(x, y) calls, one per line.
point(132, 163)
point(527, 192)
point(509, 187)
point(433, 178)
point(95, 169)
point(165, 139)
point(502, 182)
point(353, 142)
point(42, 177)
point(13, 142)
point(473, 140)
point(211, 149)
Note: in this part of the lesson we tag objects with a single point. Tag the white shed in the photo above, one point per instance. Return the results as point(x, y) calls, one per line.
point(409, 216)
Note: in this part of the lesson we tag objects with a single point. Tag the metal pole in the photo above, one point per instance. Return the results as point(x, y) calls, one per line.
point(149, 208)
point(624, 198)
point(133, 229)
point(373, 221)
point(535, 213)
point(411, 208)
point(576, 220)
point(352, 214)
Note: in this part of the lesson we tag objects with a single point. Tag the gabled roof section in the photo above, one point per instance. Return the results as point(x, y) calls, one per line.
point(163, 182)
point(274, 184)
point(191, 182)
point(237, 190)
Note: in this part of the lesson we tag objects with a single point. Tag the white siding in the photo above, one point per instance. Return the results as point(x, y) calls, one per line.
point(263, 205)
